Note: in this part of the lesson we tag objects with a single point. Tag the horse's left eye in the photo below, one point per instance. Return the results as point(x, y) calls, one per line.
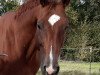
point(66, 26)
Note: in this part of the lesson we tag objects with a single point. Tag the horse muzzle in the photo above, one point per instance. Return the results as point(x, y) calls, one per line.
point(51, 70)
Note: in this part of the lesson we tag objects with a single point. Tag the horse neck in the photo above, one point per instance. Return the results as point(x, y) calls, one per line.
point(28, 12)
point(26, 18)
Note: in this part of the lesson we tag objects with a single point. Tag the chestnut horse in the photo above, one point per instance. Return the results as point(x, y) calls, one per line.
point(32, 36)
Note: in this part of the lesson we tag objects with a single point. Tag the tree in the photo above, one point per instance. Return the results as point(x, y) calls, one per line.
point(84, 23)
point(7, 6)
point(84, 27)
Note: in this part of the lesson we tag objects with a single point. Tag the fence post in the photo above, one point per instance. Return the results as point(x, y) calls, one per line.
point(90, 60)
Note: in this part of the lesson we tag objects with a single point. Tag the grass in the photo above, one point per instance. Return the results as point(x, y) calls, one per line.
point(78, 68)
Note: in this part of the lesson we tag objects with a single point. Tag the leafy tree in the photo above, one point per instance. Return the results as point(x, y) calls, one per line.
point(84, 23)
point(84, 27)
point(7, 6)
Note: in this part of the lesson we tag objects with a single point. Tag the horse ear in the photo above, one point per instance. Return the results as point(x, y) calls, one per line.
point(65, 2)
point(43, 2)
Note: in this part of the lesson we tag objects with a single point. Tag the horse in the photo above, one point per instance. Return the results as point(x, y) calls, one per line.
point(32, 37)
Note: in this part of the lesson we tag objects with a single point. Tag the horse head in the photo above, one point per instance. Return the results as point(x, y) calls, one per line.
point(51, 24)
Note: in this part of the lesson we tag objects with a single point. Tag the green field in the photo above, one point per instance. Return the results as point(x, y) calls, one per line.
point(78, 68)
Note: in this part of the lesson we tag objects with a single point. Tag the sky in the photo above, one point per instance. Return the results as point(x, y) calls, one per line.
point(20, 1)
point(82, 1)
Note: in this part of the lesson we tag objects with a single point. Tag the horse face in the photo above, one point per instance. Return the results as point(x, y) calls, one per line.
point(51, 25)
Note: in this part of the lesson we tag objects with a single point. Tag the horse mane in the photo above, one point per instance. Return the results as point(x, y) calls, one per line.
point(30, 4)
point(46, 2)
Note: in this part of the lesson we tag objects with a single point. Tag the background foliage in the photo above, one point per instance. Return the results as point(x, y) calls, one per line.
point(7, 6)
point(84, 30)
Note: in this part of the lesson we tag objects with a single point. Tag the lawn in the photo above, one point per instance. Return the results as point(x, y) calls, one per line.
point(78, 68)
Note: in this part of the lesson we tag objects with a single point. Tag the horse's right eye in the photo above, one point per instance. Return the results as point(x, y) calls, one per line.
point(40, 25)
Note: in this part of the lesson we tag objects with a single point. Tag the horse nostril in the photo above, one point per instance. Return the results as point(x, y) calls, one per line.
point(44, 68)
point(57, 70)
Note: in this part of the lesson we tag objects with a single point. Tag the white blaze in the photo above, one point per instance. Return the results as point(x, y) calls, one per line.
point(53, 19)
point(51, 56)
point(50, 69)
